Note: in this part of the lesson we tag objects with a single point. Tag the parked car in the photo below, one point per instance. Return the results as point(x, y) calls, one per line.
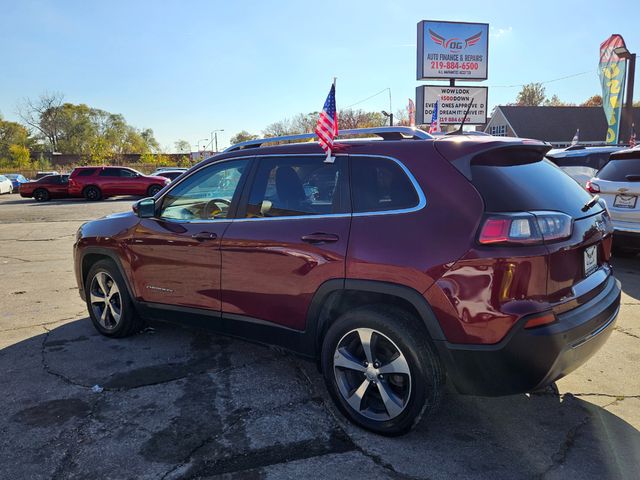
point(618, 184)
point(171, 174)
point(581, 163)
point(160, 170)
point(399, 264)
point(5, 185)
point(46, 188)
point(96, 183)
point(40, 175)
point(16, 180)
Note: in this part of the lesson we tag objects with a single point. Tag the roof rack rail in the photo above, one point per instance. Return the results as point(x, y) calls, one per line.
point(386, 133)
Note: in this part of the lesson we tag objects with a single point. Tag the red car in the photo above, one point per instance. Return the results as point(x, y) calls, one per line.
point(46, 188)
point(399, 264)
point(96, 183)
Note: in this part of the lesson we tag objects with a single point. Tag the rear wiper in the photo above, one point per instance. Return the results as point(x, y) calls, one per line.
point(595, 199)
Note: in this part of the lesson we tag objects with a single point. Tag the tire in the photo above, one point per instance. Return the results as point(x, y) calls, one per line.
point(624, 252)
point(92, 193)
point(417, 384)
point(41, 195)
point(153, 189)
point(120, 319)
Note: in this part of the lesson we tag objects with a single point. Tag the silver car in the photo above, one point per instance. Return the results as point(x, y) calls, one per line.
point(618, 184)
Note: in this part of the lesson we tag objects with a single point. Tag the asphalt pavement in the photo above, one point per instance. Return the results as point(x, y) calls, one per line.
point(174, 402)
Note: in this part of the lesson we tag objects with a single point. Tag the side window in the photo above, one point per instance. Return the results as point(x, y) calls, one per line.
point(290, 186)
point(127, 173)
point(110, 172)
point(86, 172)
point(206, 194)
point(380, 184)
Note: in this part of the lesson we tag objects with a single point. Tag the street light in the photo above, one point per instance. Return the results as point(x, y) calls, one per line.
point(389, 116)
point(630, 58)
point(214, 134)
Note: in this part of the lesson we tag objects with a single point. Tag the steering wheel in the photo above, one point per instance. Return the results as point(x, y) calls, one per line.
point(211, 209)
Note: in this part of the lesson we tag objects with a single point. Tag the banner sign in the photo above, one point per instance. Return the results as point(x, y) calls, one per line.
point(452, 50)
point(612, 72)
point(454, 102)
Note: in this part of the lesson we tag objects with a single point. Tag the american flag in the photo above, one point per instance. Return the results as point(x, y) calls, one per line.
point(435, 119)
point(327, 127)
point(411, 108)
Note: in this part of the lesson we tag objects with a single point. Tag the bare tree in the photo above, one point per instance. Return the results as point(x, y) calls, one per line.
point(44, 115)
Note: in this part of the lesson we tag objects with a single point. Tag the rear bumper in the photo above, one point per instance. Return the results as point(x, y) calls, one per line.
point(529, 359)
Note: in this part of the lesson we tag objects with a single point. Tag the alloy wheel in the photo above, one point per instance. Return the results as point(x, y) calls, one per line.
point(106, 301)
point(372, 374)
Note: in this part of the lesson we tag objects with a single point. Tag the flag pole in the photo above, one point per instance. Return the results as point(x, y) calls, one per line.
point(329, 158)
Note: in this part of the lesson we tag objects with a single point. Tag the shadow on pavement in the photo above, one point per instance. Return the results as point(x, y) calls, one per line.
point(628, 272)
point(178, 403)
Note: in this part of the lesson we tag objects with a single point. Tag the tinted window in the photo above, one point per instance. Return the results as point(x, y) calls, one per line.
point(205, 194)
point(110, 172)
point(380, 184)
point(49, 179)
point(592, 160)
point(530, 186)
point(86, 172)
point(288, 186)
point(619, 170)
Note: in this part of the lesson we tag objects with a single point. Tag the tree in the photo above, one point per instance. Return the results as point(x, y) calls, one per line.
point(44, 116)
point(20, 156)
point(242, 136)
point(12, 133)
point(182, 146)
point(531, 95)
point(555, 101)
point(593, 101)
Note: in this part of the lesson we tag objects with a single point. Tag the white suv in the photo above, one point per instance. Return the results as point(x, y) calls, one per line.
point(618, 184)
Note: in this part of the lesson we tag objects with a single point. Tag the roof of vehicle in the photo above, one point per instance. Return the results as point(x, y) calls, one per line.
point(581, 151)
point(630, 153)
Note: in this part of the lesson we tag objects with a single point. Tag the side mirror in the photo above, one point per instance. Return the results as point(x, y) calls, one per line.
point(145, 208)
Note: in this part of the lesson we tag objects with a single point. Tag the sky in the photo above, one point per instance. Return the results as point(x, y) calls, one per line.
point(185, 68)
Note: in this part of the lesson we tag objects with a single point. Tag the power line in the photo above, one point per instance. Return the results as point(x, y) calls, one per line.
point(544, 81)
point(369, 97)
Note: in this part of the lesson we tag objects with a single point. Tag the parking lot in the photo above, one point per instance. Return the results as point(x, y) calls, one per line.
point(179, 403)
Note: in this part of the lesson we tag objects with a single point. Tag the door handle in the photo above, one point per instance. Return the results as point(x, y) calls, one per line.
point(320, 238)
point(202, 236)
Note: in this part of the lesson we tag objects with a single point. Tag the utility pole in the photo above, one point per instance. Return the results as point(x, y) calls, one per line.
point(214, 137)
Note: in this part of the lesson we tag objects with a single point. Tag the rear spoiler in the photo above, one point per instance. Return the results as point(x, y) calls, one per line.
point(492, 152)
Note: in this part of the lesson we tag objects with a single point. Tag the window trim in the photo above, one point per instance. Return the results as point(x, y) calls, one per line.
point(239, 204)
point(235, 201)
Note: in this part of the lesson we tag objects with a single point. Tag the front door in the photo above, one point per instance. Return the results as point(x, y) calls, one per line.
point(292, 237)
point(176, 254)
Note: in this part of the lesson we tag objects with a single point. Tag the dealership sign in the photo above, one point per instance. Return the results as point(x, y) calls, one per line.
point(454, 102)
point(452, 50)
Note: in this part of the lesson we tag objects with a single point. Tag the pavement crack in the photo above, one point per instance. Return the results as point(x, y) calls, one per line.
point(560, 456)
point(626, 332)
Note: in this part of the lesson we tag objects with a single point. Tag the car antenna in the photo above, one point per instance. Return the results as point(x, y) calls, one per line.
point(464, 119)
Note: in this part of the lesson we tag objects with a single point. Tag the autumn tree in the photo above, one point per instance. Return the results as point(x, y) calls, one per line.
point(182, 146)
point(242, 136)
point(531, 95)
point(43, 115)
point(593, 101)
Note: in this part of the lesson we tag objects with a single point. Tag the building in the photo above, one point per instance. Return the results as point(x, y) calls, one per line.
point(556, 125)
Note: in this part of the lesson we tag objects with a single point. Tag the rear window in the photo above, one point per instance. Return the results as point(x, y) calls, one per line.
point(379, 184)
point(86, 172)
point(624, 170)
point(591, 160)
point(530, 186)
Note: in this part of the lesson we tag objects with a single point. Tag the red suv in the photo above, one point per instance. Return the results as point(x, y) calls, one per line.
point(96, 183)
point(397, 265)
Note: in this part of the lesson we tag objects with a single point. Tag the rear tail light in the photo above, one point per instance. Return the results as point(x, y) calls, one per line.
point(525, 228)
point(539, 320)
point(592, 187)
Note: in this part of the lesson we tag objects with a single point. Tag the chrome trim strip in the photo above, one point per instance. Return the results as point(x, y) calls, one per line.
point(422, 201)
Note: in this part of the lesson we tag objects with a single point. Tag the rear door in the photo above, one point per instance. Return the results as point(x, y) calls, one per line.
point(619, 183)
point(291, 237)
